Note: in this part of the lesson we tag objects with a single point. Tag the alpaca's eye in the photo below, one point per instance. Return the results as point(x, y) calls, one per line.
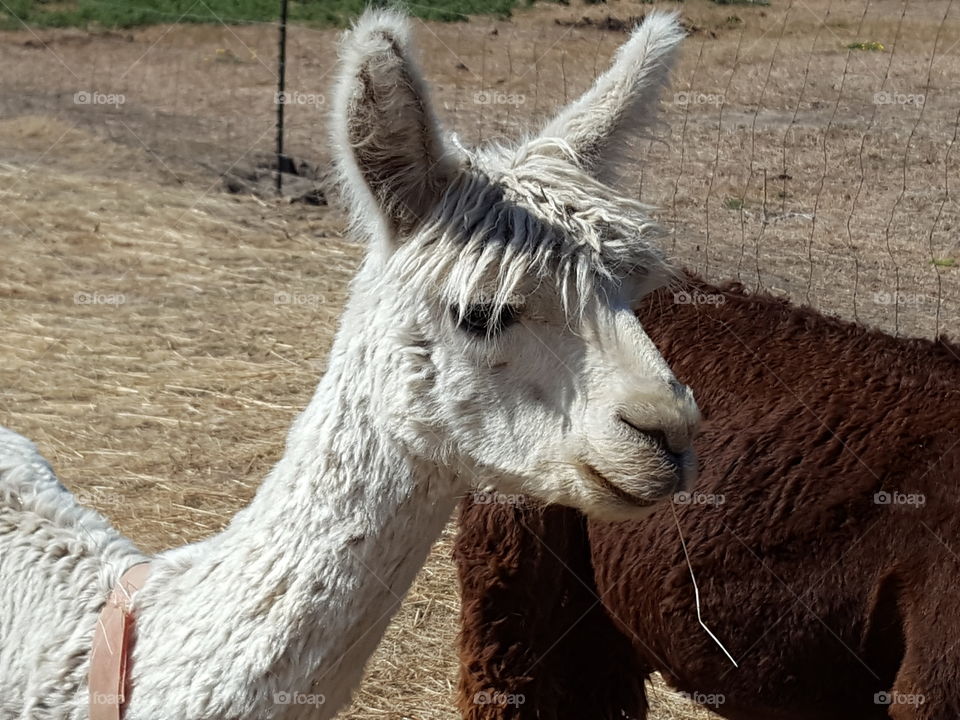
point(483, 320)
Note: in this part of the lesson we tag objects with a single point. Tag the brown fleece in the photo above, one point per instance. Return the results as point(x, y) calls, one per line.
point(825, 597)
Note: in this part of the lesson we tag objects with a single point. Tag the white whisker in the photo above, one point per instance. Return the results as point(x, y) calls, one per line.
point(696, 590)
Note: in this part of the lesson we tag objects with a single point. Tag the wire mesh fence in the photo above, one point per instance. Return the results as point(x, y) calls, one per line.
point(794, 154)
point(807, 147)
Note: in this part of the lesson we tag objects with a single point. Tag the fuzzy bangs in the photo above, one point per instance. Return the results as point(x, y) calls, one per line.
point(528, 217)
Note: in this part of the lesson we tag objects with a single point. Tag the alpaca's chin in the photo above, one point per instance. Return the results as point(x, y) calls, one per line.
point(633, 496)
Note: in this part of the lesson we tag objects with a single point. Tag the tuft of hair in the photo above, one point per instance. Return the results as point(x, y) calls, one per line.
point(532, 214)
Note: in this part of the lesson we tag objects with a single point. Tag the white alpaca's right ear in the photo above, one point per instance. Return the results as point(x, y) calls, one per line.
point(389, 149)
point(622, 103)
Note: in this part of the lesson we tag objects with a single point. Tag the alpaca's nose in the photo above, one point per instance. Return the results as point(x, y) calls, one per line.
point(672, 432)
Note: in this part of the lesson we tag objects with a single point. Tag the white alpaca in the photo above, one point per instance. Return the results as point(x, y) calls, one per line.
point(488, 340)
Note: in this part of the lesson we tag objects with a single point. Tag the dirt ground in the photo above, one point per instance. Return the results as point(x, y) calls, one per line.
point(144, 349)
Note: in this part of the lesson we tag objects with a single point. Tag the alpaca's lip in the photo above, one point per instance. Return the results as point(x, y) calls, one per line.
point(597, 477)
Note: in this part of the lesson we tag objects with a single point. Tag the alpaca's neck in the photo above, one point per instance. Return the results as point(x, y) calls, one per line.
point(292, 598)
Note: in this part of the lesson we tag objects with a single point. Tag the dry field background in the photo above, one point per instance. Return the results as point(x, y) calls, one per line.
point(144, 349)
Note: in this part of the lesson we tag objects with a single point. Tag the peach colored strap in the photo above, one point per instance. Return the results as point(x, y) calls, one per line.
point(111, 644)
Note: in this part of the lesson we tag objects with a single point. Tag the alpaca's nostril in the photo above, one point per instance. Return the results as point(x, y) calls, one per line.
point(655, 435)
point(659, 438)
point(680, 390)
point(677, 460)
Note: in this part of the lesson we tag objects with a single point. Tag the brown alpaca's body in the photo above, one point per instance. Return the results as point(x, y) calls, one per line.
point(826, 596)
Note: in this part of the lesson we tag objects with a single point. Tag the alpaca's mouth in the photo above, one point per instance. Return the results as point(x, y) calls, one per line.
point(597, 477)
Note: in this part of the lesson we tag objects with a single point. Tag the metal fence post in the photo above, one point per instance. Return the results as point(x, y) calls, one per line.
point(281, 89)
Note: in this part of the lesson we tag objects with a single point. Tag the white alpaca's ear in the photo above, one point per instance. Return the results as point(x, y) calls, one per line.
point(623, 102)
point(390, 152)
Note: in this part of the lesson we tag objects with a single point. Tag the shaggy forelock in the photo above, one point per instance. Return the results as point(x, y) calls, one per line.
point(514, 215)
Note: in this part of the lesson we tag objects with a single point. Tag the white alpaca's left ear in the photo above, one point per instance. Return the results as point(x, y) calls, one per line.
point(622, 103)
point(390, 152)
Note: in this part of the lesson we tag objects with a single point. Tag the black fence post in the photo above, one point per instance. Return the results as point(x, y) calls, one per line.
point(281, 93)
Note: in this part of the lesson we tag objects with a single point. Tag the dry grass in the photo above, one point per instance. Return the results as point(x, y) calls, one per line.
point(169, 396)
point(165, 410)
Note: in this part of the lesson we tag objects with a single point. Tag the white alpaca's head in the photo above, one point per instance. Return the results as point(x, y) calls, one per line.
point(494, 306)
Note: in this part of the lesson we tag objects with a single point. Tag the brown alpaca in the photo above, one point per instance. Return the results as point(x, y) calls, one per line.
point(836, 604)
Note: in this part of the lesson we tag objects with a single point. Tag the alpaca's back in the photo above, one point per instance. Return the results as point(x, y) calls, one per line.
point(57, 563)
point(830, 466)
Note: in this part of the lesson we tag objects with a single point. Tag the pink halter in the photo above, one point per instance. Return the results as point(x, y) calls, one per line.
point(111, 646)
